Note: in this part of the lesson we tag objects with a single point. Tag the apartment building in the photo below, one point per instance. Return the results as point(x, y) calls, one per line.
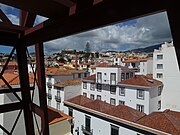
point(95, 117)
point(56, 75)
point(166, 69)
point(63, 91)
point(118, 85)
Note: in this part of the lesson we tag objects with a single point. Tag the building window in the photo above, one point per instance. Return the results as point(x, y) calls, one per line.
point(92, 96)
point(159, 75)
point(121, 102)
point(58, 106)
point(84, 85)
point(140, 94)
point(159, 104)
point(127, 75)
point(113, 89)
point(49, 91)
point(49, 102)
point(159, 66)
point(140, 108)
point(112, 101)
point(99, 97)
point(113, 78)
point(79, 75)
point(58, 93)
point(84, 94)
point(121, 91)
point(92, 86)
point(88, 123)
point(159, 90)
point(114, 130)
point(99, 87)
point(49, 79)
point(159, 56)
point(122, 76)
point(99, 77)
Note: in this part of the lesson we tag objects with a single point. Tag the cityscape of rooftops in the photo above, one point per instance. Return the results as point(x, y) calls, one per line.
point(122, 78)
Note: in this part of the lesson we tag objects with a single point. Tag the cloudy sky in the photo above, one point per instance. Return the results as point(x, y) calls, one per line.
point(141, 32)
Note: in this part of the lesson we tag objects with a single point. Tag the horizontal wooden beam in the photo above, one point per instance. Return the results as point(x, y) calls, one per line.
point(6, 90)
point(11, 28)
point(46, 8)
point(10, 107)
point(99, 15)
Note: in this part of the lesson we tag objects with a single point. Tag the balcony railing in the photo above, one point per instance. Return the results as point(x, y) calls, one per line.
point(49, 84)
point(86, 130)
point(49, 96)
point(58, 98)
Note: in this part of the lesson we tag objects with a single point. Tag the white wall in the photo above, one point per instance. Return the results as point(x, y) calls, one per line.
point(106, 71)
point(146, 67)
point(99, 126)
point(154, 98)
point(130, 97)
point(171, 76)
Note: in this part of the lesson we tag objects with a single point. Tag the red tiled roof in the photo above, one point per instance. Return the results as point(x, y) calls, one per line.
point(93, 67)
point(167, 121)
point(120, 111)
point(62, 71)
point(98, 105)
point(55, 116)
point(125, 112)
point(136, 60)
point(68, 82)
point(13, 78)
point(141, 80)
point(92, 77)
point(80, 100)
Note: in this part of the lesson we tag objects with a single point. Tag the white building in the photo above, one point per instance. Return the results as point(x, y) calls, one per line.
point(63, 91)
point(95, 117)
point(166, 69)
point(55, 95)
point(118, 85)
point(146, 66)
point(118, 60)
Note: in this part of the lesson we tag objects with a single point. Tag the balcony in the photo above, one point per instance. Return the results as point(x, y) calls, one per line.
point(49, 84)
point(49, 95)
point(58, 98)
point(86, 130)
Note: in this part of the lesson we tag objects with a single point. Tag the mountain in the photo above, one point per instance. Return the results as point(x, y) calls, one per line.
point(147, 49)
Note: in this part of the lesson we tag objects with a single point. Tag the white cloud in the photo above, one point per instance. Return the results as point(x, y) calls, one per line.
point(13, 18)
point(146, 31)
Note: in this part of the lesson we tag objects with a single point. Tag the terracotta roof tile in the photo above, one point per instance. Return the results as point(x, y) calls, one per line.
point(136, 60)
point(120, 111)
point(62, 71)
point(125, 112)
point(13, 78)
point(80, 100)
point(92, 77)
point(164, 121)
point(93, 67)
point(68, 83)
point(98, 105)
point(55, 116)
point(141, 80)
